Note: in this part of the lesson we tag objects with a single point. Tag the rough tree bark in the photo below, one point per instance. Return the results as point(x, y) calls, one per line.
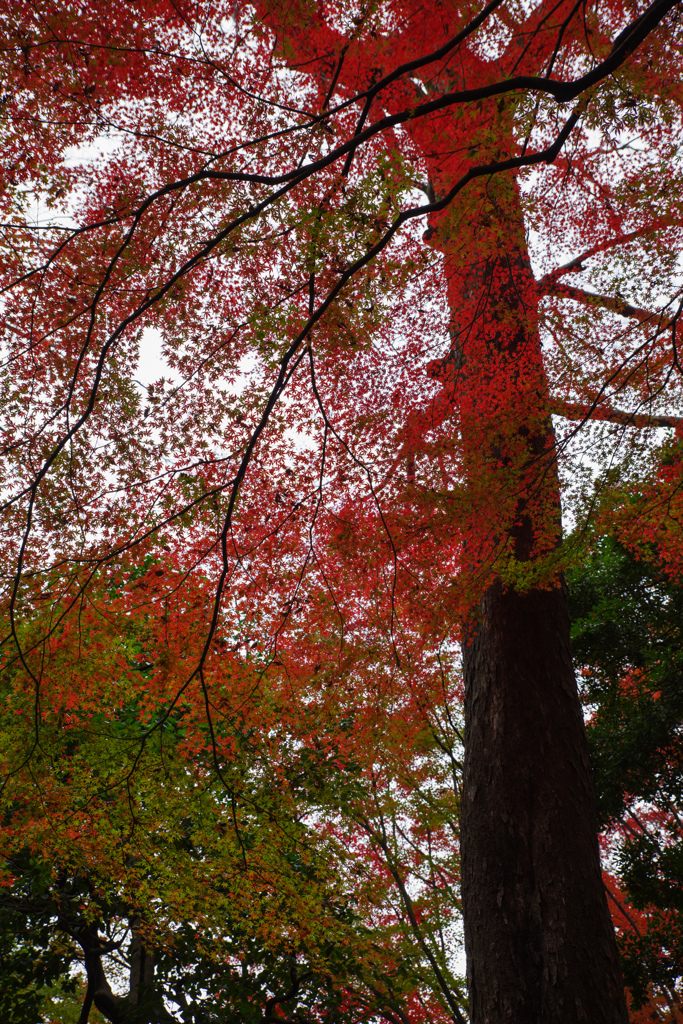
point(539, 939)
point(538, 935)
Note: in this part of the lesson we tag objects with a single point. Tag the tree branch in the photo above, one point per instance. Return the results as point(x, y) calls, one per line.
point(614, 304)
point(575, 265)
point(623, 910)
point(86, 1007)
point(584, 412)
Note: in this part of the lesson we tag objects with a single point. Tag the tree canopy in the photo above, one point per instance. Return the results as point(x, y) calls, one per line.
point(277, 610)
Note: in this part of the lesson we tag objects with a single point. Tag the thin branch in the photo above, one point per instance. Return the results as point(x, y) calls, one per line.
point(583, 412)
point(623, 909)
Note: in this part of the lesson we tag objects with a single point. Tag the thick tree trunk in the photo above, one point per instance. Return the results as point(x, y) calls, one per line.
point(143, 1004)
point(539, 940)
point(538, 935)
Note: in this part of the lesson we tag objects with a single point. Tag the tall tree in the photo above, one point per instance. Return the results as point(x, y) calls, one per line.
point(258, 208)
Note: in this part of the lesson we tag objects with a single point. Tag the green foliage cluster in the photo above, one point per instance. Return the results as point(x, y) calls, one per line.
point(628, 642)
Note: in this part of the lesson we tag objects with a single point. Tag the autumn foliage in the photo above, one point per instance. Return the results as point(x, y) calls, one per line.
point(411, 274)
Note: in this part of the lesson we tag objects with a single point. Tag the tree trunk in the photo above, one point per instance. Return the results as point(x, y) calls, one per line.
point(143, 1004)
point(538, 935)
